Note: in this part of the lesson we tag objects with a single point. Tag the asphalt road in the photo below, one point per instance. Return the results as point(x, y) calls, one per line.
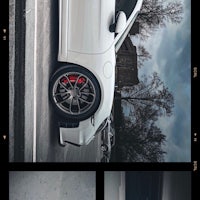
point(40, 140)
point(52, 185)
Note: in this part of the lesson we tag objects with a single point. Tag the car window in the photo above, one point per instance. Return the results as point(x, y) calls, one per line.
point(125, 5)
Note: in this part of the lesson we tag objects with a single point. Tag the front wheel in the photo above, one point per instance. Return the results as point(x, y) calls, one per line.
point(74, 92)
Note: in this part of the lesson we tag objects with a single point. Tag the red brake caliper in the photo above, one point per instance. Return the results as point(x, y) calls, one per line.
point(72, 79)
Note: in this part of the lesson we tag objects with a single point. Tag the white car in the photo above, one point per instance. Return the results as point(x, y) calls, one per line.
point(90, 34)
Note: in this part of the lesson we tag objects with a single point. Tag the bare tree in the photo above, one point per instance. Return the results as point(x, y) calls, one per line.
point(137, 145)
point(143, 55)
point(140, 140)
point(151, 91)
point(155, 13)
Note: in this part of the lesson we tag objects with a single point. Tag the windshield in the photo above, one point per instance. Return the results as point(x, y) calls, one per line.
point(125, 5)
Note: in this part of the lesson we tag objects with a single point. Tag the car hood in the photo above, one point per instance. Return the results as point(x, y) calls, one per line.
point(88, 27)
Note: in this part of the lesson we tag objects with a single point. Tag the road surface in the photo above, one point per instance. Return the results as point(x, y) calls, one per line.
point(52, 185)
point(33, 129)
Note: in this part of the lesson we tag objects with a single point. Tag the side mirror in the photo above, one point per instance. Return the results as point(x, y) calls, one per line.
point(120, 23)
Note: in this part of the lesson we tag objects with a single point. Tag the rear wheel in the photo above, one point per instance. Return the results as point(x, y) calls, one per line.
point(74, 92)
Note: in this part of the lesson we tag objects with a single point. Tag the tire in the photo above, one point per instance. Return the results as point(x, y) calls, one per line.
point(74, 92)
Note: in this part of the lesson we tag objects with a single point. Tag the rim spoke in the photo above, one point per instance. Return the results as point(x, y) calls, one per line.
point(70, 105)
point(85, 84)
point(79, 108)
point(88, 93)
point(83, 100)
point(61, 101)
point(75, 85)
point(60, 93)
point(69, 82)
point(63, 86)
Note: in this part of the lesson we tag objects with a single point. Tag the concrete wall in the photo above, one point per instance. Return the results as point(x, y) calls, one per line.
point(54, 185)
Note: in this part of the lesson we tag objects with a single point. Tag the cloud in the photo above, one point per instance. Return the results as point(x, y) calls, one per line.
point(179, 51)
point(176, 153)
point(177, 137)
point(171, 48)
point(176, 74)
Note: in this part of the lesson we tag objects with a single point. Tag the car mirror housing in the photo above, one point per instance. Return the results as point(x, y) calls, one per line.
point(120, 23)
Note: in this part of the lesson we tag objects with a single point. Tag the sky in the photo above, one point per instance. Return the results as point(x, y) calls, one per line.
point(170, 48)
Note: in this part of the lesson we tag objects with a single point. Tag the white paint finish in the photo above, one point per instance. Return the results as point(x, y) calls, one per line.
point(89, 22)
point(84, 29)
point(108, 70)
point(84, 26)
point(121, 22)
point(81, 135)
point(52, 185)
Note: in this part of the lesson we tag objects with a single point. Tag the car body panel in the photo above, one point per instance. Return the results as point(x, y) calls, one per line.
point(81, 135)
point(84, 27)
point(103, 67)
point(89, 22)
point(85, 40)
